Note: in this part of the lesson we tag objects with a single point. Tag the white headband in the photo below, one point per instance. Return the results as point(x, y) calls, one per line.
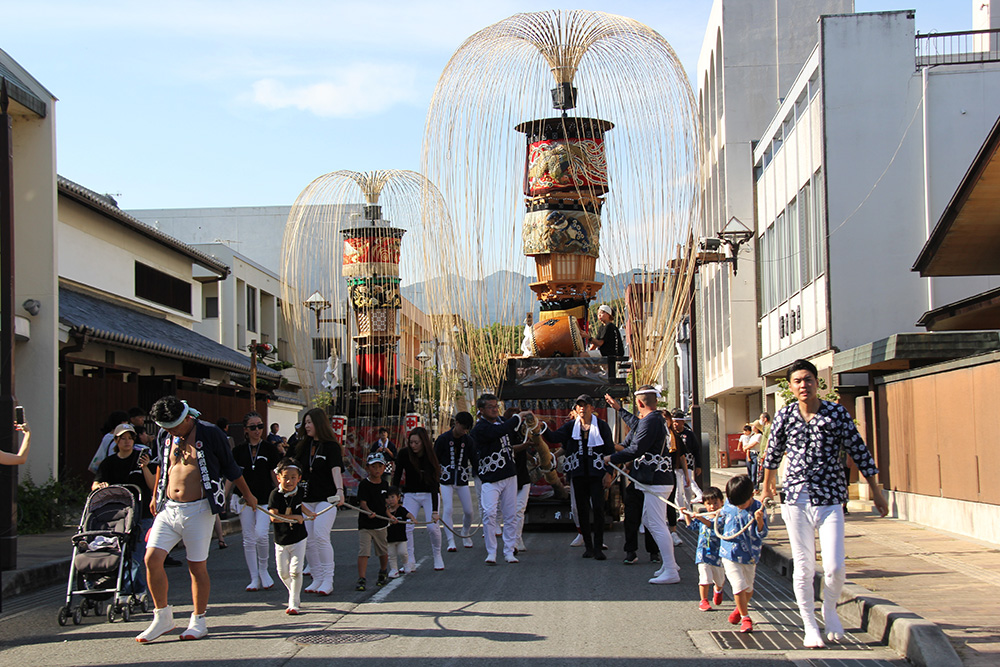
point(188, 410)
point(654, 390)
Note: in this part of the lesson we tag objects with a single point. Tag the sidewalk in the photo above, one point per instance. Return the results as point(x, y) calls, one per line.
point(949, 580)
point(43, 560)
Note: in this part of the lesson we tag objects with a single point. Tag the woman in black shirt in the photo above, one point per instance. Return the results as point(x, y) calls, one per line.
point(257, 457)
point(418, 470)
point(320, 454)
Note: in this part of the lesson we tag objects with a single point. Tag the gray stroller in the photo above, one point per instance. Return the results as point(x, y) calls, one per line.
point(101, 575)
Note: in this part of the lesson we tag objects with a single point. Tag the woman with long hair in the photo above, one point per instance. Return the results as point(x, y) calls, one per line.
point(417, 474)
point(258, 458)
point(322, 459)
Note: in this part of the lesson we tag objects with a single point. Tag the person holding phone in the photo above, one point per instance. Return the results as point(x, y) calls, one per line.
point(129, 464)
point(9, 458)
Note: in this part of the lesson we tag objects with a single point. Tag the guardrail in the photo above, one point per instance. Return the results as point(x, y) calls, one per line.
point(958, 48)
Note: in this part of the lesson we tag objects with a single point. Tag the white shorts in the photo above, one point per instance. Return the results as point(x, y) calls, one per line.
point(740, 575)
point(711, 574)
point(191, 522)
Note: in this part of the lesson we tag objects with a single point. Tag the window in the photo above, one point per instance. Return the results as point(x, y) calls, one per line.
point(211, 307)
point(817, 254)
point(791, 259)
point(251, 309)
point(780, 252)
point(321, 348)
point(805, 236)
point(159, 287)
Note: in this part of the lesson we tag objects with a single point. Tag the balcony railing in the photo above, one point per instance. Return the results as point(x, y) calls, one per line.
point(958, 48)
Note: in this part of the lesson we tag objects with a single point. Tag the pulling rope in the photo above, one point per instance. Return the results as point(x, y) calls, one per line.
point(769, 506)
point(416, 523)
point(332, 500)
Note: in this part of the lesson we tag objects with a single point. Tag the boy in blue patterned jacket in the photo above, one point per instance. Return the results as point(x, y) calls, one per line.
point(743, 521)
point(710, 570)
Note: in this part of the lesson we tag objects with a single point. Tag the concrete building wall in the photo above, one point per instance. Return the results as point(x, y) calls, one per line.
point(35, 274)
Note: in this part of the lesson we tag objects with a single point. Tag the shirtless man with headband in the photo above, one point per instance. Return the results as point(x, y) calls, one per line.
point(193, 456)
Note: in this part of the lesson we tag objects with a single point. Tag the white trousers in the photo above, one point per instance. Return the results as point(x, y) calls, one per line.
point(803, 521)
point(499, 497)
point(288, 559)
point(654, 518)
point(522, 505)
point(413, 502)
point(255, 525)
point(397, 555)
point(319, 550)
point(572, 506)
point(448, 493)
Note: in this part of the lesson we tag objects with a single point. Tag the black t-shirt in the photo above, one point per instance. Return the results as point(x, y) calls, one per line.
point(319, 469)
point(115, 470)
point(397, 531)
point(374, 495)
point(414, 475)
point(611, 340)
point(257, 468)
point(287, 533)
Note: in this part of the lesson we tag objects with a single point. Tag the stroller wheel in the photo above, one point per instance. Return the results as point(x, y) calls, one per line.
point(126, 612)
point(77, 616)
point(145, 604)
point(63, 615)
point(111, 613)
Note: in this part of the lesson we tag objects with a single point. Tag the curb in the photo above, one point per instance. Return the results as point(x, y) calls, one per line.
point(30, 579)
point(920, 641)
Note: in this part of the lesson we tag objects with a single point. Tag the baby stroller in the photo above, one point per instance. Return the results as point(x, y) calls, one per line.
point(101, 570)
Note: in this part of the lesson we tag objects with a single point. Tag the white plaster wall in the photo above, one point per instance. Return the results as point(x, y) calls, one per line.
point(35, 275)
point(978, 520)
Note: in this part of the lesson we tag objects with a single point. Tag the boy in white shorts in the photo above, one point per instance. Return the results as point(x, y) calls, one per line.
point(743, 522)
point(711, 573)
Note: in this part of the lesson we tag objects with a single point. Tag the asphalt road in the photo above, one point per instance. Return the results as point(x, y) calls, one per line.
point(552, 608)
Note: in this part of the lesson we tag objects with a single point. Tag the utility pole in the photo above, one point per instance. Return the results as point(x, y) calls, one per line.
point(253, 375)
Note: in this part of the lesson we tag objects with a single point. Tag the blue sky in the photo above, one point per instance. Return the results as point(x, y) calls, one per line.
point(243, 103)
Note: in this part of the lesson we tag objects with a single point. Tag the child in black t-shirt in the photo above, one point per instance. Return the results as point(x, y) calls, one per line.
point(396, 532)
point(289, 516)
point(372, 529)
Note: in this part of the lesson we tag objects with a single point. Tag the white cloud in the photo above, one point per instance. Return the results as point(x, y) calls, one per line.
point(358, 90)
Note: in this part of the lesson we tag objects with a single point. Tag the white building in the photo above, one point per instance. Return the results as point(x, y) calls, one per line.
point(750, 56)
point(851, 174)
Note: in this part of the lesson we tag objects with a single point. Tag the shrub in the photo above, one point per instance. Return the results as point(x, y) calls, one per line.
point(48, 506)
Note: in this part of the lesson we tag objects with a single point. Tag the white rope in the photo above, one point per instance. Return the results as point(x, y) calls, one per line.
point(418, 523)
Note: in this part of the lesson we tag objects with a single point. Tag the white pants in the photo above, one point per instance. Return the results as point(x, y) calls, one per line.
point(288, 559)
point(255, 525)
point(448, 493)
point(319, 551)
point(494, 497)
point(522, 506)
point(572, 506)
point(654, 518)
point(682, 496)
point(802, 522)
point(398, 554)
point(413, 502)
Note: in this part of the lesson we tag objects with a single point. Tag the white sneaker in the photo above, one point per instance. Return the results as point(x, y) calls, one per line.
point(677, 539)
point(491, 559)
point(511, 559)
point(438, 562)
point(467, 543)
point(253, 586)
point(520, 546)
point(326, 587)
point(410, 567)
point(163, 622)
point(577, 541)
point(266, 582)
point(393, 574)
point(813, 639)
point(669, 577)
point(197, 627)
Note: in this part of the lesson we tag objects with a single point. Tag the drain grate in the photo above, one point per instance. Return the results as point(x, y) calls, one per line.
point(772, 640)
point(340, 637)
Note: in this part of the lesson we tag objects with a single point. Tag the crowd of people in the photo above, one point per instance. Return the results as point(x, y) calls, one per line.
point(186, 472)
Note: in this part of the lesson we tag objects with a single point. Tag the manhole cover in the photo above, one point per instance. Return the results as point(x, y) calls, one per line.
point(340, 637)
point(773, 640)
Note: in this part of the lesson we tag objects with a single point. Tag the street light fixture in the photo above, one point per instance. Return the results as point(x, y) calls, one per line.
point(317, 303)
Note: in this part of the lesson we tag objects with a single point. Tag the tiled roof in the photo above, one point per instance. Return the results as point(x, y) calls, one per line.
point(119, 325)
point(108, 206)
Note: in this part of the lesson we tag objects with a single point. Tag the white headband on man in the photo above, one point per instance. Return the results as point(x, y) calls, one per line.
point(653, 390)
point(188, 410)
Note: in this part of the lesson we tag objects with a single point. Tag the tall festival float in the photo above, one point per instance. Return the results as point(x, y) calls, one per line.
point(355, 303)
point(605, 180)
